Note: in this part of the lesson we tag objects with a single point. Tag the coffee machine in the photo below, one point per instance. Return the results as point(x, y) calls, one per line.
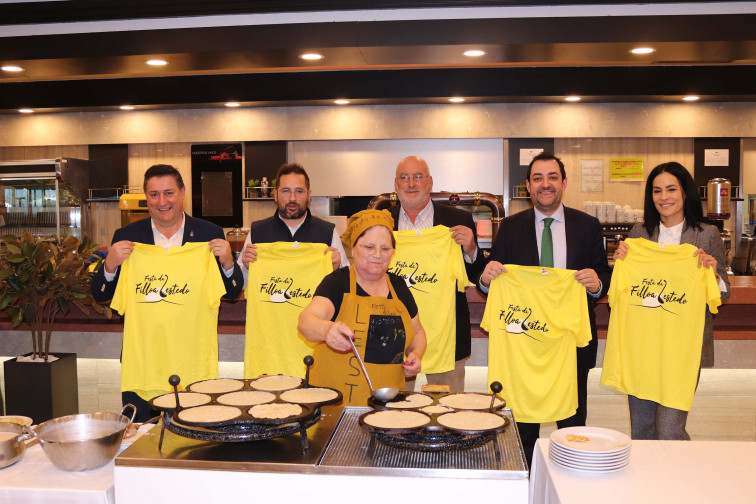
point(718, 195)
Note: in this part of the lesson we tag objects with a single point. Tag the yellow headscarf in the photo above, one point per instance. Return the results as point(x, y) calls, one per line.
point(365, 219)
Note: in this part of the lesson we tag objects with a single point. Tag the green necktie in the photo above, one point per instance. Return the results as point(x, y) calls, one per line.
point(547, 245)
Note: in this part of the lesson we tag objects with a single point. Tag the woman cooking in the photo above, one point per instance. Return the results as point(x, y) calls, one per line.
point(373, 308)
point(672, 216)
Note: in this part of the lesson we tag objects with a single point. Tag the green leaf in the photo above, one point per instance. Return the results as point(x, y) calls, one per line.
point(9, 238)
point(16, 316)
point(63, 304)
point(6, 273)
point(28, 249)
point(14, 249)
point(5, 300)
point(15, 258)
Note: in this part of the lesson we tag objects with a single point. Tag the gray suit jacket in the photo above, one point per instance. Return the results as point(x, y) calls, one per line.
point(708, 239)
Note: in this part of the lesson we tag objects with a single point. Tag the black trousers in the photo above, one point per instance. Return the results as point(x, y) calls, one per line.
point(144, 412)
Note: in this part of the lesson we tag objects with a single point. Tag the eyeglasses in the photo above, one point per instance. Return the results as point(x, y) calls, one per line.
point(417, 177)
point(298, 192)
point(371, 249)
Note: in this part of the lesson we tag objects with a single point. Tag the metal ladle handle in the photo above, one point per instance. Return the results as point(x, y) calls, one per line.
point(362, 365)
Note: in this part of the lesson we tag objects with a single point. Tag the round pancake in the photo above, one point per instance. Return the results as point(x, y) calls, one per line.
point(276, 382)
point(209, 414)
point(246, 398)
point(309, 395)
point(471, 420)
point(275, 410)
point(401, 419)
point(186, 400)
point(469, 401)
point(436, 409)
point(411, 401)
point(216, 386)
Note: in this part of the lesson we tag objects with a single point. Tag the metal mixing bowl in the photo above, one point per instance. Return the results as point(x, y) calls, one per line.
point(82, 442)
point(12, 447)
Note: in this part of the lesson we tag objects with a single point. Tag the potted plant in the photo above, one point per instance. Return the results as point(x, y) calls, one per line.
point(254, 188)
point(38, 281)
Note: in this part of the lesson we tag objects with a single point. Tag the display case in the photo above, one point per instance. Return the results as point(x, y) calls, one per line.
point(45, 197)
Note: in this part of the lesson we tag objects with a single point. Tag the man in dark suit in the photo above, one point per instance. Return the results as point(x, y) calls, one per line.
point(413, 185)
point(577, 244)
point(167, 226)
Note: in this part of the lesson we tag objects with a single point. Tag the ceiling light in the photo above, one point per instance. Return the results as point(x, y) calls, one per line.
point(643, 50)
point(572, 98)
point(25, 110)
point(12, 68)
point(311, 56)
point(156, 62)
point(691, 98)
point(233, 104)
point(126, 107)
point(474, 53)
point(456, 99)
point(341, 102)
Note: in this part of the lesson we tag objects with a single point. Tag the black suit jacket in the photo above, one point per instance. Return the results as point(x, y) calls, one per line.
point(444, 215)
point(195, 230)
point(516, 244)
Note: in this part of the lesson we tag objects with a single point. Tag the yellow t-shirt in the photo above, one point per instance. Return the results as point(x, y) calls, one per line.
point(431, 263)
point(535, 321)
point(281, 283)
point(170, 301)
point(658, 297)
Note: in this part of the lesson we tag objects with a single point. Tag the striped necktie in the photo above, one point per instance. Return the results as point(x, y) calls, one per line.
point(547, 245)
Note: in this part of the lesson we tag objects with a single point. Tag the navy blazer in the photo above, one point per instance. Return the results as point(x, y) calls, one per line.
point(516, 244)
point(195, 230)
point(444, 215)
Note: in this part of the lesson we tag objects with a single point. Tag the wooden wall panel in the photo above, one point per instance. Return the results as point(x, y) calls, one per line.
point(43, 152)
point(142, 156)
point(653, 151)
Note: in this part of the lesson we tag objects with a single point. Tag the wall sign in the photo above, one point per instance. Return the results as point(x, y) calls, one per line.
point(627, 170)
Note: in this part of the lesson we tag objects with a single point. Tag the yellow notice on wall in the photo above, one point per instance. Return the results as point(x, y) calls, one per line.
point(626, 169)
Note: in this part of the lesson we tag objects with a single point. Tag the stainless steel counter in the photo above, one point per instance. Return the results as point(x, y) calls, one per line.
point(337, 445)
point(341, 464)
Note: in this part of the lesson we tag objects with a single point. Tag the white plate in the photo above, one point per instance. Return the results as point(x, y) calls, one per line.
point(597, 471)
point(600, 440)
point(588, 465)
point(589, 456)
point(17, 419)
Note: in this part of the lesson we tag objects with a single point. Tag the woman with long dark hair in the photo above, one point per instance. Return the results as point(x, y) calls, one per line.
point(673, 215)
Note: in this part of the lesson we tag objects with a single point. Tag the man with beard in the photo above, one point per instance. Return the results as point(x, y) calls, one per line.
point(576, 243)
point(292, 220)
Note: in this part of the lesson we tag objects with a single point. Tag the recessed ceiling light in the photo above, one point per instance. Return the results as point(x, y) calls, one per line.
point(643, 50)
point(474, 53)
point(311, 56)
point(156, 62)
point(25, 110)
point(12, 68)
point(691, 98)
point(456, 99)
point(572, 98)
point(233, 104)
point(341, 102)
point(126, 107)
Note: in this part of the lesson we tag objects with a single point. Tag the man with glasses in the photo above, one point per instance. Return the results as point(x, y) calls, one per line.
point(292, 220)
point(413, 185)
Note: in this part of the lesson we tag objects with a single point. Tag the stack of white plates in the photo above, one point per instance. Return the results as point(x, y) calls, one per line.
point(589, 449)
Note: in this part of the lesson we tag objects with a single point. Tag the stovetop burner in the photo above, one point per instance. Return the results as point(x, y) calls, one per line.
point(243, 432)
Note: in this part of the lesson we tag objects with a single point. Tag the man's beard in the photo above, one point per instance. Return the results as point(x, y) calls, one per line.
point(284, 213)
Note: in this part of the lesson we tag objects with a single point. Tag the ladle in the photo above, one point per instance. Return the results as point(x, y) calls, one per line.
point(384, 394)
